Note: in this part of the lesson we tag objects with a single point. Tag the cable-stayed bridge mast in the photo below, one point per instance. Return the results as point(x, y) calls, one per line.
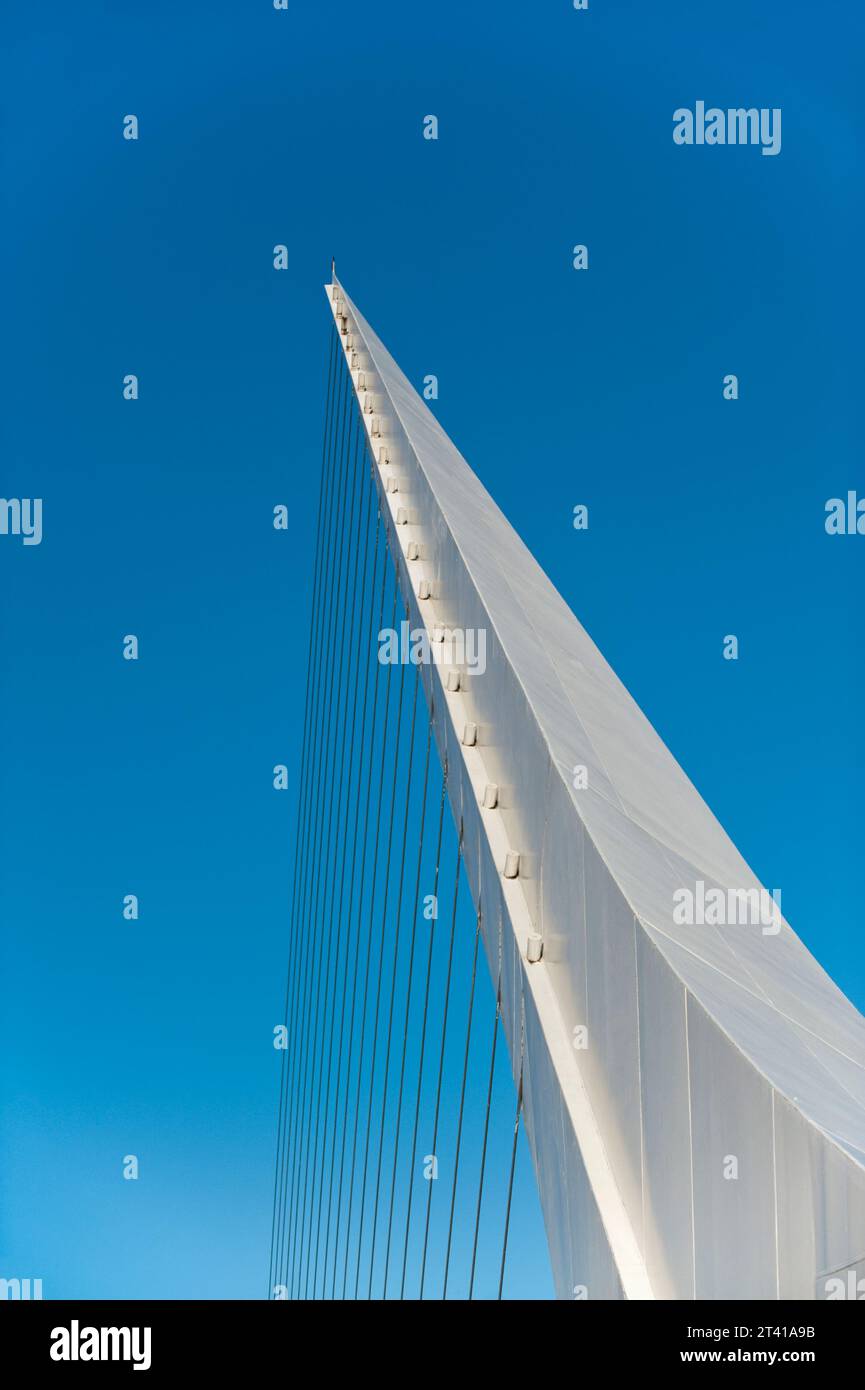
point(691, 1082)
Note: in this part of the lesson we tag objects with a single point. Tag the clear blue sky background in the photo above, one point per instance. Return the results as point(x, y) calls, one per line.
point(605, 387)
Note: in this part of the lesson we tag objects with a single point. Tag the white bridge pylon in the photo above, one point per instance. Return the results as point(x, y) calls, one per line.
point(693, 1090)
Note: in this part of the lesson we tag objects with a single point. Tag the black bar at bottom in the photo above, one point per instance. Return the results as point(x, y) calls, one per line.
point(303, 1341)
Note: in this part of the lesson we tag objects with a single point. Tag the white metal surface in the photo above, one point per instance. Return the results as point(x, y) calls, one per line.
point(694, 1095)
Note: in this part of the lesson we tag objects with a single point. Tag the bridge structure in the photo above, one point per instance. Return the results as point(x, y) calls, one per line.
point(689, 1081)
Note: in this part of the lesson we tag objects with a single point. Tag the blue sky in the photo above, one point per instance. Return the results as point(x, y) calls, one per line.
point(601, 387)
